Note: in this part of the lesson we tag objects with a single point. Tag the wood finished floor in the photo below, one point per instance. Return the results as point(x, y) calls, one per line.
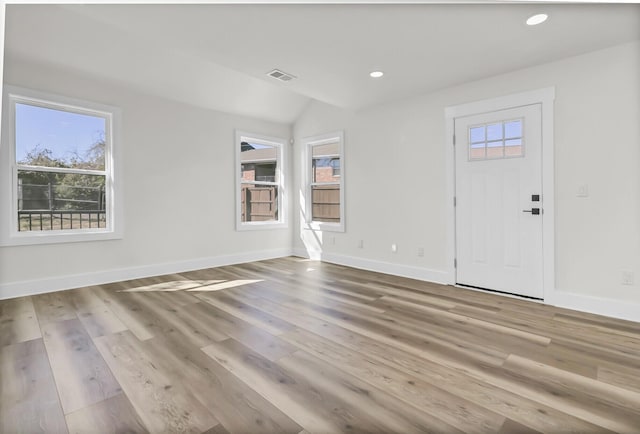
point(295, 346)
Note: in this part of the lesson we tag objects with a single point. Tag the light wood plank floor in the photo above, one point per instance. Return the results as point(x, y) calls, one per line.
point(297, 346)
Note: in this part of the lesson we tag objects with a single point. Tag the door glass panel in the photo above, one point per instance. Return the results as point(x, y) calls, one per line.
point(513, 148)
point(495, 149)
point(494, 132)
point(496, 140)
point(477, 151)
point(476, 134)
point(513, 129)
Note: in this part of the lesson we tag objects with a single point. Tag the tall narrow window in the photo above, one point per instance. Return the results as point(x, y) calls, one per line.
point(326, 181)
point(62, 168)
point(260, 182)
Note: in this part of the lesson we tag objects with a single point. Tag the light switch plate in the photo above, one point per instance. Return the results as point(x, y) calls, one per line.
point(583, 191)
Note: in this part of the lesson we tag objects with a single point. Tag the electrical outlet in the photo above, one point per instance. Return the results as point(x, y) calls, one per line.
point(583, 191)
point(627, 277)
point(420, 252)
point(361, 244)
point(394, 247)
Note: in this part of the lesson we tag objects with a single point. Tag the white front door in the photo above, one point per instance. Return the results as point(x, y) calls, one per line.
point(499, 204)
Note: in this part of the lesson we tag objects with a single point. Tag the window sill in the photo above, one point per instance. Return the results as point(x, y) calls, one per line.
point(30, 238)
point(260, 226)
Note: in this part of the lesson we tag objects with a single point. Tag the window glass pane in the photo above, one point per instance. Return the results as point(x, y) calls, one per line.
point(513, 148)
point(259, 162)
point(513, 129)
point(322, 162)
point(248, 171)
point(57, 201)
point(266, 172)
point(326, 169)
point(476, 134)
point(57, 138)
point(494, 132)
point(259, 203)
point(325, 201)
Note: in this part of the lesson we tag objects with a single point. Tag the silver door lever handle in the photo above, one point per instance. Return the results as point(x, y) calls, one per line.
point(534, 211)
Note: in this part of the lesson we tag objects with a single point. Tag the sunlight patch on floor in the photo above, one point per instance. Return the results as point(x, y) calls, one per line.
point(224, 285)
point(173, 285)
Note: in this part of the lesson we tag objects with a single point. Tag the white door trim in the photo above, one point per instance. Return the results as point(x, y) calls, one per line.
point(545, 97)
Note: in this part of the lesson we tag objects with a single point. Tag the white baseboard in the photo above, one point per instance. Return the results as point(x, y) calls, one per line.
point(569, 300)
point(304, 253)
point(301, 253)
point(409, 271)
point(40, 286)
point(598, 305)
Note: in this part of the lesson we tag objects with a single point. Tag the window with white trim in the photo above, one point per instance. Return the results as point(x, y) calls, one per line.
point(59, 156)
point(325, 181)
point(260, 194)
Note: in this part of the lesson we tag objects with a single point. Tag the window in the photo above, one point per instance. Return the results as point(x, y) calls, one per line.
point(326, 182)
point(60, 154)
point(260, 192)
point(496, 140)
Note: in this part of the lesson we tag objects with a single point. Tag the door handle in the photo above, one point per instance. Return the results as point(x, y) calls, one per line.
point(533, 211)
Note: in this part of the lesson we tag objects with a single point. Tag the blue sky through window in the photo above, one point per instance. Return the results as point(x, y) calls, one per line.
point(513, 129)
point(64, 133)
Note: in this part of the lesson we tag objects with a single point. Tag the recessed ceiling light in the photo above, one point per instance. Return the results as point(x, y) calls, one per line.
point(376, 74)
point(537, 19)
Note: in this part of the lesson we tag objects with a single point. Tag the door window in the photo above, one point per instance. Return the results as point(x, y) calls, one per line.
point(496, 140)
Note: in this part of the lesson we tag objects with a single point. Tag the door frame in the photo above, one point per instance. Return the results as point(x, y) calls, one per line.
point(545, 98)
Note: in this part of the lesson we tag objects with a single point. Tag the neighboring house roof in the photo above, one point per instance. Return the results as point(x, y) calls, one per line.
point(328, 150)
point(258, 155)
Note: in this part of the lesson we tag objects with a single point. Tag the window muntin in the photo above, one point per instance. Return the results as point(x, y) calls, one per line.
point(326, 189)
point(60, 155)
point(496, 140)
point(260, 191)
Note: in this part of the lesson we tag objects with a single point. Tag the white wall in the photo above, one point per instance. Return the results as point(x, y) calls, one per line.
point(178, 192)
point(397, 152)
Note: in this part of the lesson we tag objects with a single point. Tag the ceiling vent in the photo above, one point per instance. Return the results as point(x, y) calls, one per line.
point(280, 75)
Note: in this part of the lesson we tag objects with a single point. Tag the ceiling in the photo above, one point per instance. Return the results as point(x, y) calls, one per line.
point(216, 55)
